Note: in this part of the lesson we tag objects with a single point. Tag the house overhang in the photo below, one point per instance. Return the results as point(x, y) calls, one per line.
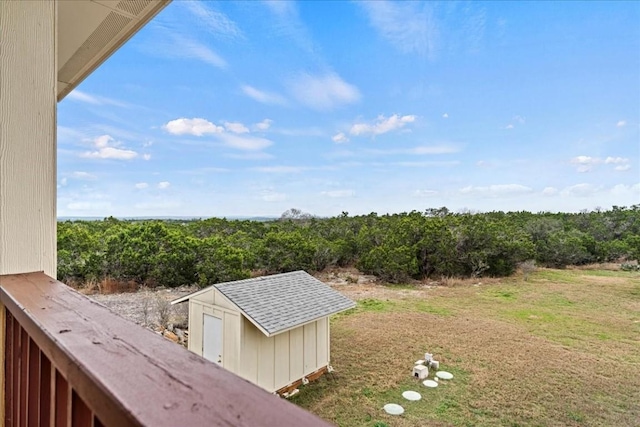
point(89, 31)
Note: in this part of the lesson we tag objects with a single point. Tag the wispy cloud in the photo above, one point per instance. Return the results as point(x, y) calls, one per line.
point(500, 190)
point(409, 26)
point(421, 150)
point(141, 185)
point(269, 195)
point(427, 28)
point(236, 127)
point(382, 125)
point(339, 194)
point(323, 92)
point(580, 190)
point(426, 164)
point(425, 193)
point(280, 169)
point(215, 22)
point(263, 125)
point(83, 175)
point(245, 142)
point(264, 97)
point(621, 123)
point(288, 24)
point(77, 95)
point(163, 185)
point(176, 45)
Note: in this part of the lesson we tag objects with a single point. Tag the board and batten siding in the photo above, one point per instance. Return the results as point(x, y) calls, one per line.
point(27, 137)
point(270, 362)
point(277, 361)
point(203, 304)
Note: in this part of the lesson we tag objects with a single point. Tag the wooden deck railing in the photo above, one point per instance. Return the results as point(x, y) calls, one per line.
point(69, 361)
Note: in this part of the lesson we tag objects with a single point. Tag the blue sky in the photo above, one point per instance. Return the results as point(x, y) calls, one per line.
point(248, 108)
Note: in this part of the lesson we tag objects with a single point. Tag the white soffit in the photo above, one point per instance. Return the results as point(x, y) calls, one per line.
point(89, 31)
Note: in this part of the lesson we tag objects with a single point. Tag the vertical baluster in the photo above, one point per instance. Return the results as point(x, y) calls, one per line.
point(8, 368)
point(61, 401)
point(33, 394)
point(24, 375)
point(81, 416)
point(46, 384)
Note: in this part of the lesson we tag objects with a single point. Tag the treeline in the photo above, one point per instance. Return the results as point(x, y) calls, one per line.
point(435, 243)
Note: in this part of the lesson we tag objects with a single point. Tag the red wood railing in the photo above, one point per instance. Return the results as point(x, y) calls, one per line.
point(69, 361)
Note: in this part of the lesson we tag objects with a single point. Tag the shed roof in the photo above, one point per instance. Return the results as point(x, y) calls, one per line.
point(281, 302)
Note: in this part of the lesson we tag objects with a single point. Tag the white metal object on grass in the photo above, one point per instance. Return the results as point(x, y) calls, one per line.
point(428, 357)
point(444, 375)
point(430, 383)
point(411, 395)
point(393, 409)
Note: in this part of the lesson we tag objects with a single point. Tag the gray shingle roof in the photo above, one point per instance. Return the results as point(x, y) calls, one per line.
point(283, 301)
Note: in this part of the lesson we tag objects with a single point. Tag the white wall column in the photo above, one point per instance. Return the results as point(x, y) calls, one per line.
point(28, 137)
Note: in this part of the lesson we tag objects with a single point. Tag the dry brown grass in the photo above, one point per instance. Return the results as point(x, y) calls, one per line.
point(562, 348)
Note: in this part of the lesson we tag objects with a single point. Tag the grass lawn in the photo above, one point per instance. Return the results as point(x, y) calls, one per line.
point(562, 348)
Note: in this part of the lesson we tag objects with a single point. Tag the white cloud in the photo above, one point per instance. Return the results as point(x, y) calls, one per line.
point(425, 193)
point(236, 127)
point(509, 126)
point(338, 194)
point(580, 190)
point(245, 142)
point(263, 97)
point(83, 175)
point(63, 182)
point(550, 191)
point(263, 125)
point(382, 125)
point(340, 138)
point(142, 185)
point(253, 155)
point(621, 123)
point(164, 185)
point(616, 160)
point(497, 190)
point(445, 116)
point(146, 156)
point(195, 126)
point(107, 149)
point(323, 92)
point(585, 163)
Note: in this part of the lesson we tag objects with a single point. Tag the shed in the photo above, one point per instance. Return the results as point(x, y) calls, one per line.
point(271, 330)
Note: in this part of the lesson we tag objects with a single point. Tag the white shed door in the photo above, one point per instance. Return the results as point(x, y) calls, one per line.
point(212, 339)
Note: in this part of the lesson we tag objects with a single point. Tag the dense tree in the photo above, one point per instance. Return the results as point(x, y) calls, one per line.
point(395, 248)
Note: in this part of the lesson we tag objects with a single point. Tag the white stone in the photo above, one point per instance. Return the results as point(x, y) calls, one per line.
point(444, 375)
point(393, 409)
point(430, 383)
point(411, 395)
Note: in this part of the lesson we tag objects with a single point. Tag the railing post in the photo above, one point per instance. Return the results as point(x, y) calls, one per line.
point(3, 334)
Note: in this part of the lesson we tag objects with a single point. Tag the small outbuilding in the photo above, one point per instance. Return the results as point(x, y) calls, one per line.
point(271, 330)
